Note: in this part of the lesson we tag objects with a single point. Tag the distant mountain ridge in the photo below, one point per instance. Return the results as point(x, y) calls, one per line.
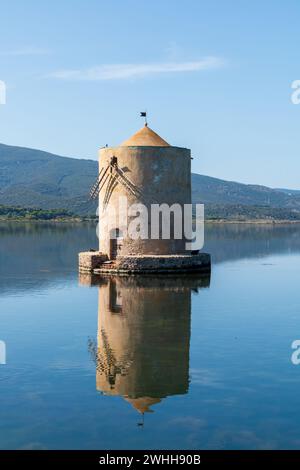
point(34, 178)
point(289, 191)
point(216, 191)
point(38, 179)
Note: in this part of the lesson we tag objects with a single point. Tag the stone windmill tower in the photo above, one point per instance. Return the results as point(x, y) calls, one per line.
point(144, 170)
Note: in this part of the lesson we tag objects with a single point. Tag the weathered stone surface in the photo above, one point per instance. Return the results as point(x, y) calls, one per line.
point(96, 262)
point(160, 175)
point(163, 263)
point(90, 260)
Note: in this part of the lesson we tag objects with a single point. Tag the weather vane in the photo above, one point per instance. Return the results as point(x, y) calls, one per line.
point(144, 115)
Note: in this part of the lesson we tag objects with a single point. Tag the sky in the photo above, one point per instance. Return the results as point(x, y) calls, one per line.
point(214, 76)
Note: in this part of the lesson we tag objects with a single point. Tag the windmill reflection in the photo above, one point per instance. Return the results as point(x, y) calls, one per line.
point(143, 341)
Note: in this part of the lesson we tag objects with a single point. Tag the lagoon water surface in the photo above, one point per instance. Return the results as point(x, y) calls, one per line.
point(149, 362)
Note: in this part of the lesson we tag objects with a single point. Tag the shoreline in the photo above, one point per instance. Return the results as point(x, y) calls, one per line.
point(56, 221)
point(253, 222)
point(79, 220)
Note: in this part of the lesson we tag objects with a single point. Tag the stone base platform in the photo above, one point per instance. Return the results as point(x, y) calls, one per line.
point(98, 263)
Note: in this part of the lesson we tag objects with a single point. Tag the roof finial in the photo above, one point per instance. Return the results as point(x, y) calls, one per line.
point(144, 115)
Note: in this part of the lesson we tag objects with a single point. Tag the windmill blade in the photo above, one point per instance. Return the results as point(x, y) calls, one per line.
point(121, 178)
point(95, 190)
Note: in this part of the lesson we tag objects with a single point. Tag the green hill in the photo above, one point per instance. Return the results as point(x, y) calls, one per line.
point(217, 191)
point(32, 178)
point(36, 179)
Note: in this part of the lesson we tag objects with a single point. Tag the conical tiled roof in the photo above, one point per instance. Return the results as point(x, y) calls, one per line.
point(145, 137)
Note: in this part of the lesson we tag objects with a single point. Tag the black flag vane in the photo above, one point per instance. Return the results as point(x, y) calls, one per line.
point(144, 115)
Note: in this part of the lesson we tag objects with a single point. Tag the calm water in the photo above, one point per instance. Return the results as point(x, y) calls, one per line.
point(208, 361)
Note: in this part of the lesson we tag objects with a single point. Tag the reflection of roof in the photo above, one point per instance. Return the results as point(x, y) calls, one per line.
point(142, 405)
point(145, 137)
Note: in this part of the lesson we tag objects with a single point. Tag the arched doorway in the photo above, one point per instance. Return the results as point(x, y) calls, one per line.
point(116, 242)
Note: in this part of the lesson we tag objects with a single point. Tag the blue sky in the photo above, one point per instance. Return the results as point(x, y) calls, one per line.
point(214, 76)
